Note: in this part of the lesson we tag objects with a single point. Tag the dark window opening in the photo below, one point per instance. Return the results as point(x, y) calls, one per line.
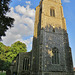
point(26, 64)
point(52, 12)
point(55, 57)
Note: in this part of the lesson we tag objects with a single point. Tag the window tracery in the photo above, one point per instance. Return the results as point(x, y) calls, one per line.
point(55, 57)
point(26, 64)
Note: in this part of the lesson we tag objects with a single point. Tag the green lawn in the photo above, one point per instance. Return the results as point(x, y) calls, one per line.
point(2, 73)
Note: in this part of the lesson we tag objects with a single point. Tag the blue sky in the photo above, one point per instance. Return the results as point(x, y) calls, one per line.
point(24, 13)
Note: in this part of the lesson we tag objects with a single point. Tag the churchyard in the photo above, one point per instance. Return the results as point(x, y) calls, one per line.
point(2, 73)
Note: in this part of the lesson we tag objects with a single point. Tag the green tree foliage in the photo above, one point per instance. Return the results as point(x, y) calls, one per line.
point(4, 65)
point(5, 21)
point(8, 53)
point(18, 47)
point(2, 50)
point(15, 49)
point(1, 64)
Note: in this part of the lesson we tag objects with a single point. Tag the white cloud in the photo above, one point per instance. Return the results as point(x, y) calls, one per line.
point(28, 2)
point(27, 41)
point(23, 25)
point(27, 12)
point(66, 1)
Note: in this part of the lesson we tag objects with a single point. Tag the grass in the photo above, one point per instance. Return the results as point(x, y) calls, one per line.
point(2, 73)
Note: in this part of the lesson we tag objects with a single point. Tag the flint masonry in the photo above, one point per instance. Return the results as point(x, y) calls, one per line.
point(51, 53)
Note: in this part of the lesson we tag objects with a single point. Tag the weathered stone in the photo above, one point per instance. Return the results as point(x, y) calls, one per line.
point(50, 32)
point(51, 53)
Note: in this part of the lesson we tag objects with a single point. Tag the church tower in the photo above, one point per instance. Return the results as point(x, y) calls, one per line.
point(51, 53)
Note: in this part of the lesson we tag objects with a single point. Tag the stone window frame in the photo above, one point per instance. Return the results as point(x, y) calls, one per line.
point(52, 12)
point(26, 64)
point(55, 59)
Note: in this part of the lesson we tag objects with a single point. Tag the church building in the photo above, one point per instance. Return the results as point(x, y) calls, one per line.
point(51, 53)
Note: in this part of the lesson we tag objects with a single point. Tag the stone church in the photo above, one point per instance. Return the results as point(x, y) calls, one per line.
point(51, 53)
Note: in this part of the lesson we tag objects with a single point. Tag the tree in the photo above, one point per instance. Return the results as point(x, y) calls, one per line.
point(2, 51)
point(1, 64)
point(18, 47)
point(5, 21)
point(2, 56)
point(8, 53)
point(15, 49)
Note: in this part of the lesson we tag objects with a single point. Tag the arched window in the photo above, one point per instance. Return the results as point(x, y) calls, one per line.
point(52, 12)
point(26, 64)
point(55, 57)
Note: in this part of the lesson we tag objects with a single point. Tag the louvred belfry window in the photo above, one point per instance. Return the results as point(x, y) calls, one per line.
point(52, 12)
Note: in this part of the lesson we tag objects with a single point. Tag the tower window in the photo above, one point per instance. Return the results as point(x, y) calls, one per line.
point(52, 12)
point(55, 57)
